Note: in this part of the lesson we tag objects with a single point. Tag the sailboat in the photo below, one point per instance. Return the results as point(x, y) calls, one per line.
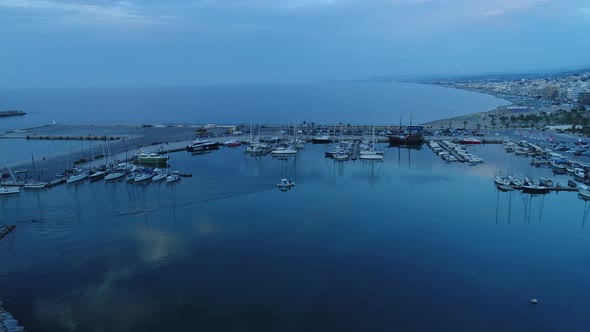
point(34, 183)
point(77, 176)
point(9, 190)
point(371, 154)
point(98, 174)
point(116, 172)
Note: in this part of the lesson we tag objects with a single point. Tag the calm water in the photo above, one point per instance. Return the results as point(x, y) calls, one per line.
point(410, 244)
point(365, 103)
point(354, 103)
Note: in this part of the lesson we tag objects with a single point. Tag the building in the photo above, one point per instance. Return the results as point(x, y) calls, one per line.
point(584, 97)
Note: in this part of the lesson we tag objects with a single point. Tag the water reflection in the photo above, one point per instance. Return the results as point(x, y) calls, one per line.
point(527, 200)
point(372, 170)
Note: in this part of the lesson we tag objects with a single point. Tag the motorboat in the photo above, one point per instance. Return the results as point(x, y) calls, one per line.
point(370, 155)
point(470, 140)
point(232, 143)
point(474, 160)
point(321, 139)
point(544, 182)
point(172, 178)
point(151, 158)
point(579, 173)
point(283, 151)
point(19, 171)
point(502, 180)
point(557, 163)
point(202, 145)
point(285, 184)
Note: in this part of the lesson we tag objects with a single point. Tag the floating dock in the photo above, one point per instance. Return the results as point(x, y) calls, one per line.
point(454, 153)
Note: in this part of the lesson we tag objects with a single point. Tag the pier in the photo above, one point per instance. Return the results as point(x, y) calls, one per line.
point(355, 150)
point(454, 153)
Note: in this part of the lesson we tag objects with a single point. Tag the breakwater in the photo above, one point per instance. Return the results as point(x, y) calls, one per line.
point(7, 322)
point(11, 113)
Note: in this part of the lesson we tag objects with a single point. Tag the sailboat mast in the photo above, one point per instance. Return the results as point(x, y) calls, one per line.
point(34, 168)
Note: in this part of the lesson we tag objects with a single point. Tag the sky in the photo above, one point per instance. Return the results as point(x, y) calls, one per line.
point(75, 43)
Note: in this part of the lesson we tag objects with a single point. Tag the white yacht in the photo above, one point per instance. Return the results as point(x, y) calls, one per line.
point(284, 151)
point(9, 190)
point(77, 177)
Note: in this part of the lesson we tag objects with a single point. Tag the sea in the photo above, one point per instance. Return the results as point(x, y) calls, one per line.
point(411, 243)
point(329, 103)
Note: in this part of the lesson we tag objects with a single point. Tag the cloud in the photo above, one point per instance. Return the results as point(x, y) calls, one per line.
point(86, 12)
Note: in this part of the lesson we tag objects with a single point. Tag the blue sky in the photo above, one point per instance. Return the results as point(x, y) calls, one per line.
point(71, 43)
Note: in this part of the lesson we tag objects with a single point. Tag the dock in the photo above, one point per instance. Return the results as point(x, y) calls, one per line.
point(454, 153)
point(543, 190)
point(355, 150)
point(6, 229)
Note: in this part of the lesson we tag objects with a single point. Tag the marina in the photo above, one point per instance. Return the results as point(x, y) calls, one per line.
point(109, 211)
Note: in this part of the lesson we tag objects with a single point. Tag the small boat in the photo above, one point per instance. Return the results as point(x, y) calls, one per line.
point(143, 177)
point(114, 176)
point(159, 175)
point(284, 183)
point(370, 155)
point(283, 151)
point(558, 164)
point(172, 178)
point(77, 177)
point(232, 143)
point(18, 171)
point(475, 160)
point(321, 140)
point(340, 156)
point(98, 175)
point(579, 173)
point(131, 177)
point(502, 180)
point(504, 188)
point(32, 184)
point(544, 182)
point(9, 190)
point(151, 158)
point(470, 140)
point(572, 184)
point(584, 194)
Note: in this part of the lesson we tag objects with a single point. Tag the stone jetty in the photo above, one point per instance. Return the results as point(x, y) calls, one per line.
point(7, 322)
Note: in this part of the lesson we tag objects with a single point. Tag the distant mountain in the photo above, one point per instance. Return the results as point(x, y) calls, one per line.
point(490, 77)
